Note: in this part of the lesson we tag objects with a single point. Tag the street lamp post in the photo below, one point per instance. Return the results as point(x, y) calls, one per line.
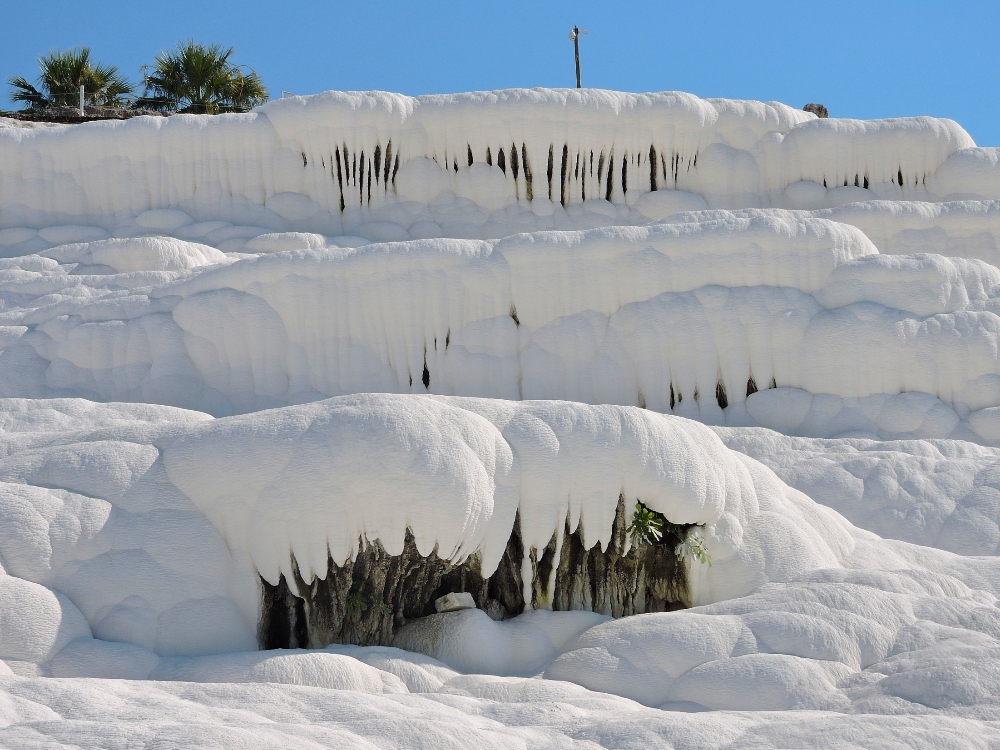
point(575, 36)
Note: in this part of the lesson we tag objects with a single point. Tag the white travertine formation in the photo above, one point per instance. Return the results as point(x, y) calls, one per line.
point(512, 298)
point(704, 317)
point(381, 164)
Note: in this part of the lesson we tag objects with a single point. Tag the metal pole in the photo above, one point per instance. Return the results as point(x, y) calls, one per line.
point(574, 34)
point(83, 114)
point(576, 47)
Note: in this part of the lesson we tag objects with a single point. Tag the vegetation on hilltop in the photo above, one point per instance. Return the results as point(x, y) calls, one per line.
point(62, 74)
point(194, 78)
point(199, 79)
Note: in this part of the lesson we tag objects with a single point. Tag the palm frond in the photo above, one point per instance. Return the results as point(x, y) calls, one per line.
point(26, 93)
point(199, 79)
point(62, 74)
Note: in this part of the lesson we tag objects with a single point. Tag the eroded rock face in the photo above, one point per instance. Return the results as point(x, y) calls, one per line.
point(367, 600)
point(648, 579)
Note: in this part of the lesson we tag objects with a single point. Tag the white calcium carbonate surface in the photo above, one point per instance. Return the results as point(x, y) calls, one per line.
point(686, 318)
point(230, 341)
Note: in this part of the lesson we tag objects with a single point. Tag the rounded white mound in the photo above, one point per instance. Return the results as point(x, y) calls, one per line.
point(139, 254)
point(455, 471)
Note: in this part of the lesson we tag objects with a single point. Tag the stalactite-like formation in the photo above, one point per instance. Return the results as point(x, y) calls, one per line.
point(366, 600)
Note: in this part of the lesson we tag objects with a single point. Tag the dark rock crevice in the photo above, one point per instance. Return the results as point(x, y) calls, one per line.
point(609, 581)
point(365, 601)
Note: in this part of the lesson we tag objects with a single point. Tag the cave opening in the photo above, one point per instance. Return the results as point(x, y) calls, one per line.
point(366, 600)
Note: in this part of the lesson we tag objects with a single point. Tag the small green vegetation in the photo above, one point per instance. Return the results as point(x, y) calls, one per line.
point(358, 604)
point(646, 527)
point(693, 546)
point(649, 527)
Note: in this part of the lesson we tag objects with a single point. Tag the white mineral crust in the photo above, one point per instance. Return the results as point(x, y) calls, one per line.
point(232, 347)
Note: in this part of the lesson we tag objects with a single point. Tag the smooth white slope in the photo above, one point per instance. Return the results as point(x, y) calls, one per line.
point(482, 712)
point(939, 493)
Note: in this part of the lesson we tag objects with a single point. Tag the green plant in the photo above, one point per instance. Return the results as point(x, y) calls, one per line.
point(62, 74)
point(199, 78)
point(649, 527)
point(646, 527)
point(693, 546)
point(358, 603)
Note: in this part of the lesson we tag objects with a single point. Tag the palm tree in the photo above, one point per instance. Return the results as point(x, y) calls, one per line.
point(62, 75)
point(200, 79)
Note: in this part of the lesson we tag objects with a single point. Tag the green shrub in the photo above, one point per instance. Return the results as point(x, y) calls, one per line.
point(62, 74)
point(200, 79)
point(649, 527)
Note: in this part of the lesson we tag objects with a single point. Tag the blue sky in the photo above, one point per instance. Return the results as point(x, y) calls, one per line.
point(860, 59)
